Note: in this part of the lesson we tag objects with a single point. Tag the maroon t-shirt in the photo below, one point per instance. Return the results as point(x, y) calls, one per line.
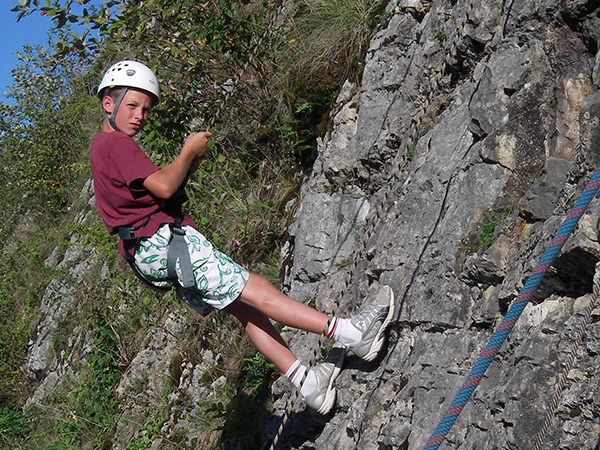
point(119, 168)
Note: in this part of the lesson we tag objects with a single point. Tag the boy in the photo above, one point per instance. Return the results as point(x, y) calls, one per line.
point(136, 199)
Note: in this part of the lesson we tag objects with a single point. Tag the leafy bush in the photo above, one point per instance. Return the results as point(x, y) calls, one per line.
point(14, 428)
point(264, 136)
point(42, 136)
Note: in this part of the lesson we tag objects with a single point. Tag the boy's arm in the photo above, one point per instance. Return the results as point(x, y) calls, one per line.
point(165, 181)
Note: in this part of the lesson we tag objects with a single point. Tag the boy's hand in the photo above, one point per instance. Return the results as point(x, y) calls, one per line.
point(196, 144)
point(164, 182)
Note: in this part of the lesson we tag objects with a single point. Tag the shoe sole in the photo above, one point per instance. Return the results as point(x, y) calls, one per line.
point(331, 394)
point(380, 338)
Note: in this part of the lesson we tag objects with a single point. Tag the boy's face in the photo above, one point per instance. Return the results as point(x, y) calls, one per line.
point(132, 112)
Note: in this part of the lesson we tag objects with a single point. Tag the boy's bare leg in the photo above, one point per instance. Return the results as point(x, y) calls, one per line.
point(263, 296)
point(317, 387)
point(263, 334)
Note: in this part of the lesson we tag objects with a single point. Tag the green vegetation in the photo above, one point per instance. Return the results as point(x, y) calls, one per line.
point(87, 408)
point(149, 432)
point(492, 220)
point(244, 416)
point(14, 427)
point(22, 280)
point(484, 237)
point(441, 35)
point(264, 139)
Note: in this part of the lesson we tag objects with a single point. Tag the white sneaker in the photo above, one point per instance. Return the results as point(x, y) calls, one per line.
point(372, 322)
point(323, 397)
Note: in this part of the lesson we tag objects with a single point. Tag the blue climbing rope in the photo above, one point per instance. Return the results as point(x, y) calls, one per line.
point(515, 310)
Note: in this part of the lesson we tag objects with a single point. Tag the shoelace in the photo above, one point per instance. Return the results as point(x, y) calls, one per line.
point(361, 318)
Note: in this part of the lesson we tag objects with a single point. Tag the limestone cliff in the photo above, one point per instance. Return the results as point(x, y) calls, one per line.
point(511, 134)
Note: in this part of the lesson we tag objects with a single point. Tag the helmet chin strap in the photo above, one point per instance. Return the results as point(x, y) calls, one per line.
point(111, 118)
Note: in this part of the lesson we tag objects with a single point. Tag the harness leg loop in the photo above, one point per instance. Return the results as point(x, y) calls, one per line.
point(178, 251)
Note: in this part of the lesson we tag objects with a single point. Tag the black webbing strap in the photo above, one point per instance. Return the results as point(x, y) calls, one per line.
point(127, 233)
point(146, 279)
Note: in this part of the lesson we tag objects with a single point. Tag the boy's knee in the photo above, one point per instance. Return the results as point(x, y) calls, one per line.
point(258, 292)
point(259, 283)
point(257, 278)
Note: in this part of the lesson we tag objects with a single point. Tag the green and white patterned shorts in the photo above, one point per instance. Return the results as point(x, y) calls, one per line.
point(219, 280)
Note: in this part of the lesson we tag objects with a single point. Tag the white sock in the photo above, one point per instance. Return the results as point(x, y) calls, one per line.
point(342, 331)
point(295, 374)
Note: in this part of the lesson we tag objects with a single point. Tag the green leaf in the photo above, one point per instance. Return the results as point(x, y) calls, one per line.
point(61, 21)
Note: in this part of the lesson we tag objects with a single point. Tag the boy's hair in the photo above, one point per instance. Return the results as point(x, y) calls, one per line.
point(111, 92)
point(116, 91)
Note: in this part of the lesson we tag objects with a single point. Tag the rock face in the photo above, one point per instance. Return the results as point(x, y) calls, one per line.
point(510, 139)
point(43, 363)
point(504, 141)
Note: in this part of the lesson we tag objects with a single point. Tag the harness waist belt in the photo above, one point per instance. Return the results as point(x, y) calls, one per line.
point(128, 233)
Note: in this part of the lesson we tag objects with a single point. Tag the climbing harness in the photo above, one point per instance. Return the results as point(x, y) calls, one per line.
point(381, 206)
point(177, 248)
point(177, 252)
point(514, 312)
point(587, 318)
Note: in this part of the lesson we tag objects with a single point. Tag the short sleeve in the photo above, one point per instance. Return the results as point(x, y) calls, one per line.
point(132, 163)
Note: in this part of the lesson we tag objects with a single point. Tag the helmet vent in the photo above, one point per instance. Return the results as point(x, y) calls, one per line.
point(131, 74)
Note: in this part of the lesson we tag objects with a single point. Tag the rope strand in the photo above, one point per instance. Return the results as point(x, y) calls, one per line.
point(587, 318)
point(513, 314)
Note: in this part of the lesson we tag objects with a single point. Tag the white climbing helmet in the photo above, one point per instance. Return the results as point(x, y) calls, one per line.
point(130, 74)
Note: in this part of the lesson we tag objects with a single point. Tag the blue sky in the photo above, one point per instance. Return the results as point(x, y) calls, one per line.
point(31, 30)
